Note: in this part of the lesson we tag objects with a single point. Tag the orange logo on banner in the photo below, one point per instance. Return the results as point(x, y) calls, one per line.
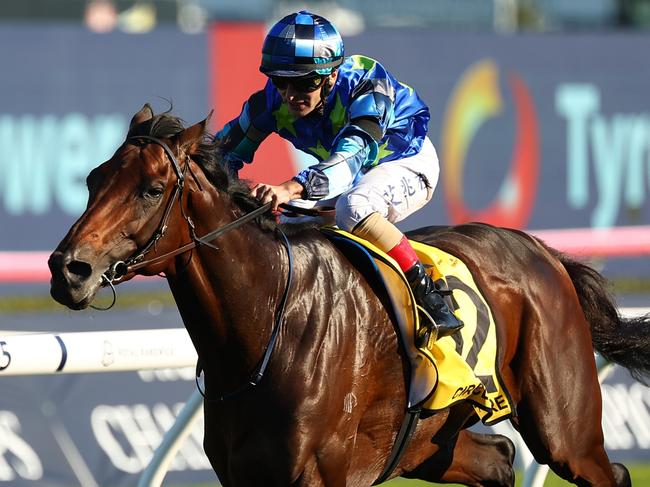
point(235, 53)
point(475, 99)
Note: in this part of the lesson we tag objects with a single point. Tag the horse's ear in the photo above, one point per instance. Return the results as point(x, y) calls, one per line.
point(145, 113)
point(190, 138)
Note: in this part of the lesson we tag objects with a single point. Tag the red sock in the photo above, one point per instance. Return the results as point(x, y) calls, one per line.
point(404, 254)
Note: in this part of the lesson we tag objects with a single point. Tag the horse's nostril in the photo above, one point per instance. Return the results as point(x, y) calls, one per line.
point(82, 270)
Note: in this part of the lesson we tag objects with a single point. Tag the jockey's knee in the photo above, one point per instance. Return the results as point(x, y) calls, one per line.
point(352, 208)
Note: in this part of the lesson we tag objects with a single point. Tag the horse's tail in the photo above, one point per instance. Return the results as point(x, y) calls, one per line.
point(625, 341)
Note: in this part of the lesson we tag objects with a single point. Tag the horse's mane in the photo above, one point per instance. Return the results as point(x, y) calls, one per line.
point(208, 156)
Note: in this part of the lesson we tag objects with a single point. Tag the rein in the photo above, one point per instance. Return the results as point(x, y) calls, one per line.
point(121, 268)
point(257, 376)
point(136, 262)
point(321, 211)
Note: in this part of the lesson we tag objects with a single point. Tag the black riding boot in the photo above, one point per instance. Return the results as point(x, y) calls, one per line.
point(431, 299)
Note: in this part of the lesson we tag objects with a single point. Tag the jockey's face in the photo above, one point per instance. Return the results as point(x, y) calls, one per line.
point(302, 95)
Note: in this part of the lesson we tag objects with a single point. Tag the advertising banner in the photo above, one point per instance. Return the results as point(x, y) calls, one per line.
point(68, 97)
point(532, 131)
point(97, 429)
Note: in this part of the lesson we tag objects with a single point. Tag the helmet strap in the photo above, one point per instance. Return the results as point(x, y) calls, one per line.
point(325, 90)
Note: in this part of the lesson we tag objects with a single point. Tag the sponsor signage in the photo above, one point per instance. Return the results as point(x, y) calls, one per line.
point(527, 138)
point(95, 429)
point(70, 95)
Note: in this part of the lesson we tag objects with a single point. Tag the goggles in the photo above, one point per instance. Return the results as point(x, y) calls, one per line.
point(303, 84)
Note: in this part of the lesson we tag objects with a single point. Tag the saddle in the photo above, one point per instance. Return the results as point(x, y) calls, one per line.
point(452, 369)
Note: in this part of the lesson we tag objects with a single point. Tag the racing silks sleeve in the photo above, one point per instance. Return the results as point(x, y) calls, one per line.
point(240, 138)
point(356, 146)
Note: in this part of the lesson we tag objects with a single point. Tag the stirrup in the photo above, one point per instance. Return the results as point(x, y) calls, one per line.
point(427, 334)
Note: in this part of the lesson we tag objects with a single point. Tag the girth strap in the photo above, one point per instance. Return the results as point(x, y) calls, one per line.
point(402, 441)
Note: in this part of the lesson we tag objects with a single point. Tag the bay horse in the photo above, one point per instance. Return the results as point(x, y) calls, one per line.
point(333, 395)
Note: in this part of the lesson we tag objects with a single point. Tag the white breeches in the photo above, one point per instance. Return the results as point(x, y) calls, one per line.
point(394, 189)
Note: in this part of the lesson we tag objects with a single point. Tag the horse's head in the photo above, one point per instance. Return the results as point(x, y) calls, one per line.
point(133, 198)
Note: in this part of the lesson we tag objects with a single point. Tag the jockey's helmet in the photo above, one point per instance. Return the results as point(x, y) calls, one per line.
point(301, 43)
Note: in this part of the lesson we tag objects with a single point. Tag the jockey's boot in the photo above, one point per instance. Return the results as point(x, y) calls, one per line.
point(439, 319)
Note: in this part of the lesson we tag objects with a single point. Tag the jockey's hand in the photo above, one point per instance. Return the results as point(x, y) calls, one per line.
point(282, 193)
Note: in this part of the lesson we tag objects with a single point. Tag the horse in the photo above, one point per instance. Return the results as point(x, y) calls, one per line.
point(305, 379)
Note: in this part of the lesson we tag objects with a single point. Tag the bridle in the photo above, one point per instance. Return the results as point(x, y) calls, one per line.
point(138, 261)
point(121, 268)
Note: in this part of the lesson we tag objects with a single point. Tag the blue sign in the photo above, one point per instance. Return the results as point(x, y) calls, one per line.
point(72, 96)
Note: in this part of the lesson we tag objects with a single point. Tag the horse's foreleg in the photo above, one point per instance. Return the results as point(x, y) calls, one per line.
point(474, 459)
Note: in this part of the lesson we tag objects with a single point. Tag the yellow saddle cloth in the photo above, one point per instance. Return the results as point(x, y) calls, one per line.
point(455, 368)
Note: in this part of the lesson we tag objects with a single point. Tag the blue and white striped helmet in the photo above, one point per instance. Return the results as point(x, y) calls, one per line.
point(300, 44)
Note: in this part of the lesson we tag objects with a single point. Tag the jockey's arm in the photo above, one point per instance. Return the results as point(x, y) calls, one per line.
point(330, 177)
point(278, 194)
point(356, 147)
point(240, 138)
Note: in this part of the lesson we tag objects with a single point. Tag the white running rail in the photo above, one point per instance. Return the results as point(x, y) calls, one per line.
point(95, 351)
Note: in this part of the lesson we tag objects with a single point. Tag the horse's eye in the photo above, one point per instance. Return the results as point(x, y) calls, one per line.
point(154, 192)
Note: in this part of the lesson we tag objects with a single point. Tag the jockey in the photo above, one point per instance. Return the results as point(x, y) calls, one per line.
point(367, 130)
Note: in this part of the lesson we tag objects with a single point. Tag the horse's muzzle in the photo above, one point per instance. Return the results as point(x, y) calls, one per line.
point(73, 281)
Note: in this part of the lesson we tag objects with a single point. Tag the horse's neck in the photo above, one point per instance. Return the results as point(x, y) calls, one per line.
point(227, 297)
